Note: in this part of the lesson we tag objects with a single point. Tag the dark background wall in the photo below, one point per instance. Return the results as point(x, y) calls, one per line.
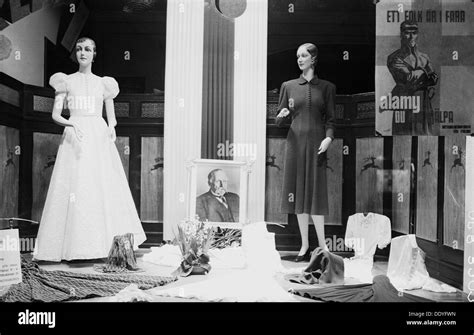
point(335, 26)
point(141, 33)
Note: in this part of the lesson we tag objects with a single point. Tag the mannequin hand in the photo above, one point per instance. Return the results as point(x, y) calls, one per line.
point(324, 145)
point(113, 136)
point(283, 113)
point(78, 132)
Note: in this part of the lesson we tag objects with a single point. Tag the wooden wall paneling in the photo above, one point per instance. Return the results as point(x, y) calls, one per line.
point(334, 180)
point(469, 213)
point(454, 188)
point(123, 148)
point(151, 204)
point(9, 172)
point(427, 188)
point(45, 149)
point(275, 163)
point(369, 175)
point(401, 180)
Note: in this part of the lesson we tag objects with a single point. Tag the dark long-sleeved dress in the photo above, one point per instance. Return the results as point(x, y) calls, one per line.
point(311, 105)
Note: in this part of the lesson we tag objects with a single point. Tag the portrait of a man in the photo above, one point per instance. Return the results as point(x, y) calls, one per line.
point(415, 78)
point(218, 204)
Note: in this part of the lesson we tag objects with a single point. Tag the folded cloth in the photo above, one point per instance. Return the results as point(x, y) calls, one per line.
point(434, 286)
point(52, 286)
point(381, 290)
point(359, 269)
point(131, 294)
point(324, 268)
point(406, 264)
point(166, 255)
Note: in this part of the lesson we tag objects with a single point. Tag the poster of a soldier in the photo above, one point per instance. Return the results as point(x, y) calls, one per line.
point(422, 75)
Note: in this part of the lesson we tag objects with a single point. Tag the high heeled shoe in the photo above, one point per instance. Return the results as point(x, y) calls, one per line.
point(303, 258)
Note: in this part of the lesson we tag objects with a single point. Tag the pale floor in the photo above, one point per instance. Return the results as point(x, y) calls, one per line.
point(152, 269)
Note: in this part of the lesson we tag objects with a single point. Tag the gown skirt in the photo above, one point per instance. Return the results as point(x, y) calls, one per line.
point(89, 200)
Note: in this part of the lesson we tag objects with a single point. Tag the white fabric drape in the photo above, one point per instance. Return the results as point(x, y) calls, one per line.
point(250, 72)
point(183, 104)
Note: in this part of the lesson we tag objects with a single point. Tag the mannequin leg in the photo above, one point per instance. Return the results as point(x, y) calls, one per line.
point(303, 220)
point(318, 221)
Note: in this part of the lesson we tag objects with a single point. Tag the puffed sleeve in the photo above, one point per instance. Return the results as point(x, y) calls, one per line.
point(282, 103)
point(330, 110)
point(58, 81)
point(111, 88)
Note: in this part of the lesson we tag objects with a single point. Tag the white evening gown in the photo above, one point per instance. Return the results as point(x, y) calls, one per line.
point(89, 200)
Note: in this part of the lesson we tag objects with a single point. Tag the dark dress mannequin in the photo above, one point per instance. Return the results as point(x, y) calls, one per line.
point(311, 105)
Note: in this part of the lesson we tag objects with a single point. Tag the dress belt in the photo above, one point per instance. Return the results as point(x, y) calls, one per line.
point(85, 115)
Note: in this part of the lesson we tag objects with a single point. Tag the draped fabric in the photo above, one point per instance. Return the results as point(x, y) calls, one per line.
point(323, 268)
point(183, 104)
point(250, 99)
point(218, 82)
point(380, 291)
point(54, 286)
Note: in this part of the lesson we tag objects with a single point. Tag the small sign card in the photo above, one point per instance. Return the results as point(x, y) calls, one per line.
point(10, 262)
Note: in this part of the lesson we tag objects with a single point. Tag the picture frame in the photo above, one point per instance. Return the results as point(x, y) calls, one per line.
point(218, 192)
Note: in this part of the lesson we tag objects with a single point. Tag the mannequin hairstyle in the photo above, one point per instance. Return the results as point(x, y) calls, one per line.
point(313, 51)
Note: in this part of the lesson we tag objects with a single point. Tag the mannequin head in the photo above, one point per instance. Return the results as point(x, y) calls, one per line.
point(85, 51)
point(307, 56)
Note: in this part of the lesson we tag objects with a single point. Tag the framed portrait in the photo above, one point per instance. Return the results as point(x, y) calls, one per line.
point(217, 192)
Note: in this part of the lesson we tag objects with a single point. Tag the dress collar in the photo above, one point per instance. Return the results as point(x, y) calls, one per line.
point(302, 80)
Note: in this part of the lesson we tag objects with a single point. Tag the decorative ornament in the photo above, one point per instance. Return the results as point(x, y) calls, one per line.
point(5, 47)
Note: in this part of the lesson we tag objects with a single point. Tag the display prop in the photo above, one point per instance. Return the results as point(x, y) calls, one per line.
point(194, 240)
point(217, 192)
point(424, 67)
point(10, 263)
